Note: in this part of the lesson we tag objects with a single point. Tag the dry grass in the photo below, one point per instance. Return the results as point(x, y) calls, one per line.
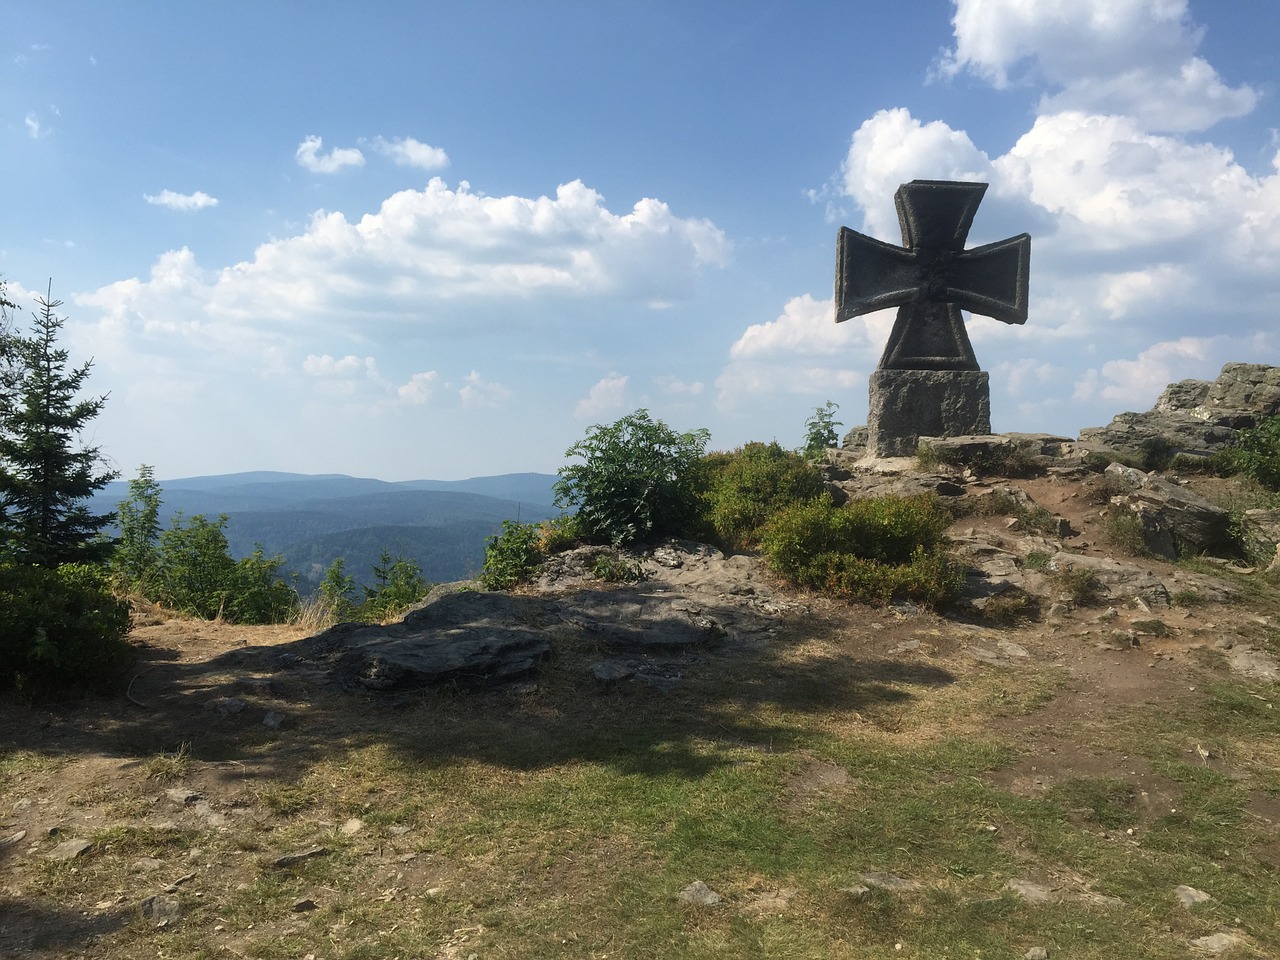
point(564, 821)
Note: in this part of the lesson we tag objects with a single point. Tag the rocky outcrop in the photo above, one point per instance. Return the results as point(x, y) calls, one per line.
point(1175, 521)
point(679, 600)
point(1196, 417)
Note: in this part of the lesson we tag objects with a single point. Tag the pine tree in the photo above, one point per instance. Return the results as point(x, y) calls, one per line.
point(45, 475)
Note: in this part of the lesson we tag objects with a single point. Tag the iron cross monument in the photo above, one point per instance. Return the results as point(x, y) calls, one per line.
point(928, 382)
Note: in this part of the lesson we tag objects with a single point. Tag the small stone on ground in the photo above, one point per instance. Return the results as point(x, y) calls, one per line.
point(700, 894)
point(1190, 896)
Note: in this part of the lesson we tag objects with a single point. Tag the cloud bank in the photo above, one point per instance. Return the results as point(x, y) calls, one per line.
point(1145, 239)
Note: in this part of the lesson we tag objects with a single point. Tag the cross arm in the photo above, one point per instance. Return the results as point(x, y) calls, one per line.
point(873, 275)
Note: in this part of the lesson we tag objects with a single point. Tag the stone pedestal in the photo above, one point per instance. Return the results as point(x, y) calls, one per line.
point(906, 405)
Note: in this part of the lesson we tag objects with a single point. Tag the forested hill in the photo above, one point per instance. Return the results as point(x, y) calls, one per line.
point(311, 520)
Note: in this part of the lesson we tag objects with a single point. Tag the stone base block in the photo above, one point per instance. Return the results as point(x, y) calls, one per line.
point(906, 405)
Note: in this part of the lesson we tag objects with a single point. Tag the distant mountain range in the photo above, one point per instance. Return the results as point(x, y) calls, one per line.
point(311, 520)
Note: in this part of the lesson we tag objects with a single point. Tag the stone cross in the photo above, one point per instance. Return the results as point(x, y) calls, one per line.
point(931, 277)
point(928, 382)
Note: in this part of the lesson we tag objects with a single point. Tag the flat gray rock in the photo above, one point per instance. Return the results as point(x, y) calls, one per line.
point(699, 894)
point(1190, 896)
point(888, 881)
point(471, 638)
point(69, 850)
point(1217, 942)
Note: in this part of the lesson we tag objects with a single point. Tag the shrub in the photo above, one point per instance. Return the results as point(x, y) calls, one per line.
point(820, 432)
point(640, 480)
point(884, 529)
point(194, 571)
point(135, 558)
point(511, 557)
point(62, 628)
point(196, 575)
point(750, 485)
point(1157, 454)
point(398, 585)
point(1125, 532)
point(1079, 585)
point(558, 534)
point(1256, 453)
point(1012, 460)
point(617, 568)
point(334, 593)
point(871, 550)
point(257, 593)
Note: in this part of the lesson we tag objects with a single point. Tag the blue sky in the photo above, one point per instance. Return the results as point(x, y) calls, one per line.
point(440, 240)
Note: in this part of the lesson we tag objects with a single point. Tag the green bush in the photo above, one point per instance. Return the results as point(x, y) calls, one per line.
point(334, 593)
point(257, 594)
point(398, 585)
point(61, 629)
point(1256, 453)
point(513, 556)
point(750, 485)
point(870, 550)
point(194, 570)
point(196, 575)
point(639, 480)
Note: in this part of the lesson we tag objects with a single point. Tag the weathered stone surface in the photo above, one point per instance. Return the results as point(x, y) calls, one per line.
point(1031, 892)
point(689, 597)
point(1175, 520)
point(888, 881)
point(850, 476)
point(1217, 942)
point(69, 850)
point(1196, 416)
point(472, 638)
point(905, 405)
point(1190, 896)
point(699, 894)
point(1117, 579)
point(856, 439)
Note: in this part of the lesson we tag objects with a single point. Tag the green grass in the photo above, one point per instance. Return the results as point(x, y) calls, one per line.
point(565, 822)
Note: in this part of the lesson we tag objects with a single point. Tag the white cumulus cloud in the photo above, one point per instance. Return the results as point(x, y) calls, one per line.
point(803, 351)
point(181, 201)
point(606, 399)
point(418, 389)
point(432, 246)
point(408, 152)
point(348, 366)
point(1131, 57)
point(478, 392)
point(310, 158)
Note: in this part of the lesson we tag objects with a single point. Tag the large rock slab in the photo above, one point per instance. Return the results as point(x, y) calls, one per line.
point(471, 638)
point(1175, 521)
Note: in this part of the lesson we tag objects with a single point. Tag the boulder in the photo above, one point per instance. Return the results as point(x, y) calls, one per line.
point(1175, 521)
point(470, 638)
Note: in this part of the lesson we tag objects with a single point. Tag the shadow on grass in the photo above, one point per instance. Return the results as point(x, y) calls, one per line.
point(27, 926)
point(735, 687)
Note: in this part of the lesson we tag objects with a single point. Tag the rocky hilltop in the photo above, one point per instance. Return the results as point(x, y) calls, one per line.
point(1196, 416)
point(1053, 530)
